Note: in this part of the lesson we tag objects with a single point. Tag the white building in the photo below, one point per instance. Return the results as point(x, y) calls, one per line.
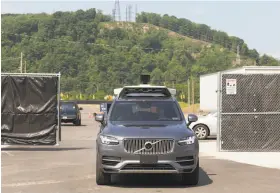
point(209, 83)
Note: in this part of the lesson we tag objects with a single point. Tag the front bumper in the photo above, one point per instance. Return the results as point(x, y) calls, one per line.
point(114, 159)
point(68, 118)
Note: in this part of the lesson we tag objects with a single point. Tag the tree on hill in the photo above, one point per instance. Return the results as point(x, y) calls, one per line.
point(95, 55)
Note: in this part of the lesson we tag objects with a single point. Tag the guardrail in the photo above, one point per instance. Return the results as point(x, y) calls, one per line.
point(94, 102)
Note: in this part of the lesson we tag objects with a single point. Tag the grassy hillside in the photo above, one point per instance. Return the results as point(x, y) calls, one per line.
point(96, 55)
point(194, 46)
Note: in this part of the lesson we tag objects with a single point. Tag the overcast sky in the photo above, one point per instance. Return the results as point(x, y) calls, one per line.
point(258, 23)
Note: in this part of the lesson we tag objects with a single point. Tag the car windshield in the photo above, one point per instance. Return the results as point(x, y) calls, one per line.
point(145, 111)
point(68, 108)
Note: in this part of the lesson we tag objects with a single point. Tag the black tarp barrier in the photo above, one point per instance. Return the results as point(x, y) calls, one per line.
point(250, 119)
point(29, 109)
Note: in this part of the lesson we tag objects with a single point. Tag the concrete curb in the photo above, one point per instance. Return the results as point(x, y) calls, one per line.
point(262, 159)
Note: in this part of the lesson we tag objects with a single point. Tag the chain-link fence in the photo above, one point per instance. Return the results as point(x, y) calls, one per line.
point(249, 112)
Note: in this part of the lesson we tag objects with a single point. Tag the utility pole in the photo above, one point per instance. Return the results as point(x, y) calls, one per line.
point(21, 55)
point(135, 12)
point(193, 94)
point(238, 55)
point(126, 13)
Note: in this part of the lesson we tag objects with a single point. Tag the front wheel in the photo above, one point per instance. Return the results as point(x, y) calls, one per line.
point(191, 179)
point(101, 177)
point(78, 122)
point(201, 132)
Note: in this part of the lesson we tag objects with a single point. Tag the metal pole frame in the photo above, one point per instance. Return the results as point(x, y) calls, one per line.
point(219, 110)
point(58, 133)
point(30, 74)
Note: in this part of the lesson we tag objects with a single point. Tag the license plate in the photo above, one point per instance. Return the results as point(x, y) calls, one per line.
point(64, 117)
point(148, 159)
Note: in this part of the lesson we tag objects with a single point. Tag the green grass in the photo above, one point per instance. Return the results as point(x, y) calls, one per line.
point(183, 105)
point(189, 108)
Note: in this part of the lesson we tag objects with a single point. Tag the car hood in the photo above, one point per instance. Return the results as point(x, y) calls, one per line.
point(162, 130)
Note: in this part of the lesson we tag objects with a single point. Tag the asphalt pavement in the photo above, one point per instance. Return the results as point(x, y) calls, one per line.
point(70, 168)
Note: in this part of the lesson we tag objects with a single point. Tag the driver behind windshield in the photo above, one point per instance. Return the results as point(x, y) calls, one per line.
point(144, 111)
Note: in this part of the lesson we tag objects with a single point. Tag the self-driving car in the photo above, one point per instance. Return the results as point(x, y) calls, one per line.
point(145, 131)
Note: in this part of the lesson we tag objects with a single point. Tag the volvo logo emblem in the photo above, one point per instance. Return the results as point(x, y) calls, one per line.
point(148, 146)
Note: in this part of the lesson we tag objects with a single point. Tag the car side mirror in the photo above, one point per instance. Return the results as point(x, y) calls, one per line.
point(99, 117)
point(192, 118)
point(81, 108)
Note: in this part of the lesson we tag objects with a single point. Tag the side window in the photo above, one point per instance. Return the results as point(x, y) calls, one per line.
point(108, 107)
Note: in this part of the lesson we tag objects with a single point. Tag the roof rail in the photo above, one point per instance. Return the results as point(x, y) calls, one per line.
point(144, 91)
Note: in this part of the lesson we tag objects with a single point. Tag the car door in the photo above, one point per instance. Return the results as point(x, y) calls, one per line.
point(212, 124)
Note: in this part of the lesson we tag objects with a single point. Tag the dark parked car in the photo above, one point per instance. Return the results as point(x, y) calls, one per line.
point(145, 131)
point(70, 113)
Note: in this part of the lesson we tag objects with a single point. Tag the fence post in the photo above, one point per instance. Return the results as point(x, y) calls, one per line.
point(189, 95)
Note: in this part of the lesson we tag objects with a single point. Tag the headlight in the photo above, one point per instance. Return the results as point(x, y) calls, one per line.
point(109, 140)
point(187, 141)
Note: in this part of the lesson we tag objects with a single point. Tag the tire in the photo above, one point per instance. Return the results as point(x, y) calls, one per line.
point(101, 177)
point(191, 179)
point(77, 122)
point(201, 131)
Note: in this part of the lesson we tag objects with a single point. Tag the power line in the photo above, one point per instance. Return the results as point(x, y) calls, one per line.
point(196, 35)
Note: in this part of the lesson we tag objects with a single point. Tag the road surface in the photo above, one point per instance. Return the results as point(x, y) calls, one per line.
point(70, 168)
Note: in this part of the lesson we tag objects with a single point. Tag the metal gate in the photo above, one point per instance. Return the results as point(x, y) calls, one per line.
point(249, 112)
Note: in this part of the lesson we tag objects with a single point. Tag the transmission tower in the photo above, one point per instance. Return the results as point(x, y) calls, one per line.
point(129, 12)
point(135, 12)
point(114, 14)
point(126, 13)
point(117, 11)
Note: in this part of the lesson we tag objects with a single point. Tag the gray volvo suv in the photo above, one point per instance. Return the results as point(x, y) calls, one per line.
point(145, 131)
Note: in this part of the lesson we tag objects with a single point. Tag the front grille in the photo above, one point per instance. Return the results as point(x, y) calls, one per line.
point(159, 146)
point(148, 167)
